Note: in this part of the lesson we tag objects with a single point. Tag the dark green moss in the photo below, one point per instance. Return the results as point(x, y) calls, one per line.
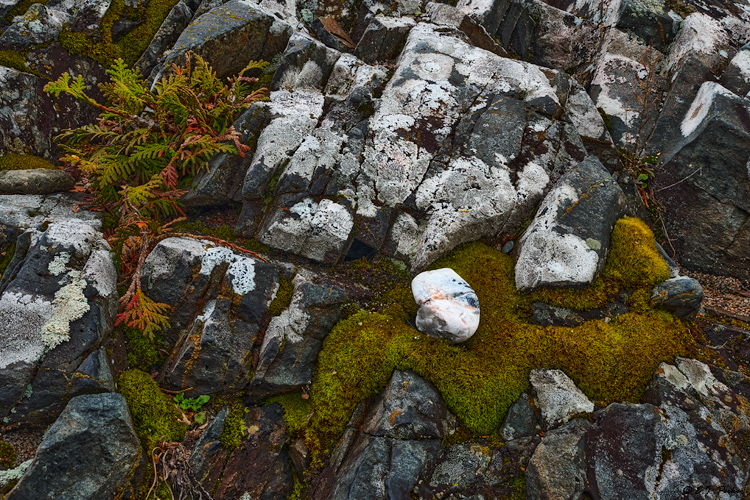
point(234, 427)
point(607, 120)
point(225, 233)
point(142, 351)
point(283, 298)
point(297, 410)
point(12, 161)
point(481, 378)
point(155, 416)
point(6, 258)
point(7, 455)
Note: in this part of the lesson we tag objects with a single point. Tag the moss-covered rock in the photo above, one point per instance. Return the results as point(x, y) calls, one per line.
point(155, 416)
point(11, 161)
point(481, 378)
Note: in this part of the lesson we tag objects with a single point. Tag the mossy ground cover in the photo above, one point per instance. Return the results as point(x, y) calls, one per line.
point(481, 378)
point(12, 161)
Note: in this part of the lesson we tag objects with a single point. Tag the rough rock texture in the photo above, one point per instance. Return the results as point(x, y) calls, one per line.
point(567, 242)
point(58, 303)
point(448, 307)
point(557, 397)
point(35, 181)
point(681, 296)
point(382, 38)
point(88, 453)
point(293, 339)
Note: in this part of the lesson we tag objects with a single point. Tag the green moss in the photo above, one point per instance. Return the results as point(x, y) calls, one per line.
point(234, 427)
point(283, 298)
point(142, 352)
point(296, 410)
point(225, 233)
point(519, 488)
point(482, 377)
point(11, 161)
point(607, 120)
point(132, 45)
point(155, 416)
point(15, 59)
point(7, 455)
point(5, 262)
point(297, 488)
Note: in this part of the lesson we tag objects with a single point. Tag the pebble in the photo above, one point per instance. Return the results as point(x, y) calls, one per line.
point(448, 306)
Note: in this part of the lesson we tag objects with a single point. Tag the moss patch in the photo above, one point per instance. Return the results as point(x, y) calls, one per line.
point(283, 298)
point(481, 378)
point(6, 258)
point(132, 45)
point(7, 455)
point(142, 353)
point(12, 161)
point(155, 416)
point(296, 410)
point(234, 427)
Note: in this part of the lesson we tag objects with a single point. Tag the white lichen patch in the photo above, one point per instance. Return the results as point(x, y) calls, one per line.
point(59, 264)
point(70, 305)
point(21, 318)
point(241, 268)
point(78, 234)
point(215, 256)
point(6, 476)
point(700, 107)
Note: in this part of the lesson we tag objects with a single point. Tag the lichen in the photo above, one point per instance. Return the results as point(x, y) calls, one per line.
point(155, 416)
point(480, 379)
point(70, 305)
point(8, 476)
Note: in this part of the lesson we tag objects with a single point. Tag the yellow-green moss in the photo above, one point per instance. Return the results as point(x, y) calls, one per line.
point(132, 45)
point(20, 8)
point(12, 161)
point(6, 258)
point(283, 298)
point(296, 410)
point(225, 233)
point(155, 416)
point(234, 427)
point(481, 378)
point(7, 455)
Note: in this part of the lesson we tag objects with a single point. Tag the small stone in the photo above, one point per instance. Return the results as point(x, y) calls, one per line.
point(681, 296)
point(448, 307)
point(557, 397)
point(37, 181)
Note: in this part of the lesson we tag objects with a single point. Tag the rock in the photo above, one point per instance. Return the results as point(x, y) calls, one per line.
point(27, 211)
point(566, 243)
point(557, 397)
point(293, 339)
point(39, 181)
point(316, 230)
point(209, 444)
point(169, 267)
point(38, 25)
point(547, 315)
point(706, 214)
point(653, 22)
point(557, 468)
point(521, 421)
point(400, 435)
point(88, 453)
point(445, 14)
point(706, 38)
point(448, 306)
point(736, 78)
point(228, 37)
point(382, 38)
point(55, 310)
point(681, 296)
point(332, 34)
point(305, 64)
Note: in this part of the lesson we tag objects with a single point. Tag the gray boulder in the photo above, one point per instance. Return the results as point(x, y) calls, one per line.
point(736, 78)
point(38, 25)
point(557, 468)
point(681, 296)
point(704, 186)
point(522, 419)
point(40, 181)
point(88, 453)
point(557, 397)
point(293, 339)
point(567, 242)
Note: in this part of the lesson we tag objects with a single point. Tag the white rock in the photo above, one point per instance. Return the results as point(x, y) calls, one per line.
point(448, 307)
point(558, 397)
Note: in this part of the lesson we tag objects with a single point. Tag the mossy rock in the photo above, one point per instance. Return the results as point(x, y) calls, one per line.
point(12, 161)
point(156, 417)
point(482, 377)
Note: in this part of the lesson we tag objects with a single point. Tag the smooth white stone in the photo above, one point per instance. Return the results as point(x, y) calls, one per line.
point(448, 307)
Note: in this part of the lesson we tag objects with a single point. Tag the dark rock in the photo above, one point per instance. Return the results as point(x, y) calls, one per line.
point(557, 468)
point(736, 78)
point(208, 445)
point(648, 20)
point(88, 453)
point(703, 185)
point(522, 420)
point(37, 26)
point(305, 63)
point(93, 376)
point(382, 38)
point(567, 241)
point(445, 14)
point(330, 33)
point(681, 296)
point(547, 315)
point(293, 339)
point(228, 37)
point(40, 181)
point(169, 268)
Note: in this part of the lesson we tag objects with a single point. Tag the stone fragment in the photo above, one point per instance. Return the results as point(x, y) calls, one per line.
point(305, 64)
point(557, 397)
point(448, 306)
point(37, 26)
point(88, 453)
point(521, 421)
point(736, 78)
point(446, 14)
point(332, 34)
point(38, 181)
point(382, 38)
point(681, 296)
point(567, 242)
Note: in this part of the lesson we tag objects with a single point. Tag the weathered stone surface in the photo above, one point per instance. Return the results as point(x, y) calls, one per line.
point(557, 468)
point(547, 315)
point(522, 420)
point(445, 14)
point(88, 452)
point(54, 311)
point(169, 267)
point(33, 211)
point(293, 339)
point(706, 192)
point(557, 397)
point(448, 306)
point(681, 296)
point(382, 38)
point(39, 181)
point(736, 78)
point(567, 241)
point(37, 26)
point(305, 64)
